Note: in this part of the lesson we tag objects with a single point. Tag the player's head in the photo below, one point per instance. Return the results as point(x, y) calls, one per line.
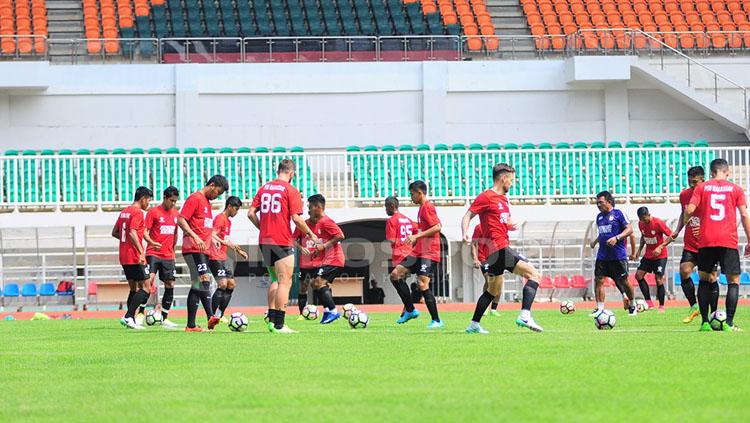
point(605, 202)
point(391, 205)
point(286, 169)
point(143, 196)
point(504, 174)
point(316, 205)
point(232, 205)
point(696, 175)
point(215, 186)
point(418, 191)
point(643, 214)
point(171, 195)
point(719, 169)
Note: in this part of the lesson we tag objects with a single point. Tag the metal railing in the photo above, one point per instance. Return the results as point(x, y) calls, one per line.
point(351, 178)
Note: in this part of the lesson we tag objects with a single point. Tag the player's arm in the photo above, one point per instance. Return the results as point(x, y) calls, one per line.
point(475, 254)
point(745, 219)
point(678, 229)
point(429, 232)
point(116, 230)
point(147, 234)
point(640, 249)
point(632, 244)
point(302, 226)
point(183, 224)
point(465, 221)
point(252, 214)
point(331, 242)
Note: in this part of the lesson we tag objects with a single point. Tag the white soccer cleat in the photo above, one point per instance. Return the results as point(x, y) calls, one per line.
point(529, 323)
point(168, 324)
point(130, 323)
point(475, 328)
point(285, 329)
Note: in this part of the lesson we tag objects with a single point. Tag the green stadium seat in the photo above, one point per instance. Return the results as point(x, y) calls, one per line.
point(29, 180)
point(193, 179)
point(423, 147)
point(106, 176)
point(157, 170)
point(580, 145)
point(10, 178)
point(86, 171)
point(701, 143)
point(49, 177)
point(562, 146)
point(68, 182)
point(141, 171)
point(598, 144)
point(475, 147)
point(209, 165)
point(544, 146)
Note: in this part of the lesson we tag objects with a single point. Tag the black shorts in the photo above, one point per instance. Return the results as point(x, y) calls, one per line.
point(689, 257)
point(615, 269)
point(220, 270)
point(727, 258)
point(135, 272)
point(308, 274)
point(273, 253)
point(197, 264)
point(164, 267)
point(329, 273)
point(419, 266)
point(655, 266)
point(502, 260)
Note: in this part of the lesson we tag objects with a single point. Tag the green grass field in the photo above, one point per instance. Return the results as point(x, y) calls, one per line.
point(651, 367)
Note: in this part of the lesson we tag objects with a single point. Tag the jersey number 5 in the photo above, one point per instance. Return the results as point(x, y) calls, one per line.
point(270, 203)
point(718, 207)
point(406, 230)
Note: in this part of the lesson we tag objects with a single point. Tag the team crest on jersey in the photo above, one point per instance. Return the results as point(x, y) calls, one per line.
point(611, 218)
point(205, 209)
point(500, 205)
point(161, 219)
point(653, 232)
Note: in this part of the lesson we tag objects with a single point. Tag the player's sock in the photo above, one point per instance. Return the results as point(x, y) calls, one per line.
point(227, 298)
point(661, 294)
point(301, 302)
point(192, 307)
point(142, 308)
point(166, 302)
point(206, 301)
point(279, 319)
point(271, 314)
point(216, 301)
point(482, 303)
point(644, 289)
point(688, 289)
point(326, 298)
point(704, 299)
point(733, 294)
point(714, 296)
point(431, 304)
point(130, 297)
point(404, 293)
point(494, 305)
point(134, 302)
point(529, 293)
point(600, 306)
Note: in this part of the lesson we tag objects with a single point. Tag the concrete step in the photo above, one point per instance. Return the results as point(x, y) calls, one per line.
point(492, 3)
point(64, 4)
point(64, 15)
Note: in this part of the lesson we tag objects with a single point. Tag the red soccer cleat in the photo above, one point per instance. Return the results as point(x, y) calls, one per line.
point(195, 329)
point(212, 322)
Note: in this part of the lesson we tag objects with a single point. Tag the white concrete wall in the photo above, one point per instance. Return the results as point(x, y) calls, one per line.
point(319, 105)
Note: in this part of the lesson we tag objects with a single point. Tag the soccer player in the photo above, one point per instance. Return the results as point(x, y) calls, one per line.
point(217, 260)
point(278, 203)
point(398, 227)
point(309, 263)
point(689, 259)
point(612, 257)
point(196, 222)
point(129, 229)
point(329, 247)
point(716, 202)
point(479, 253)
point(494, 217)
point(423, 258)
point(161, 236)
point(653, 231)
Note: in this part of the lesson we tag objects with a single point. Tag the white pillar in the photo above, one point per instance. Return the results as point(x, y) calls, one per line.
point(616, 117)
point(434, 89)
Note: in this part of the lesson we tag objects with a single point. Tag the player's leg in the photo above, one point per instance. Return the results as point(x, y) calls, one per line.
point(228, 291)
point(166, 301)
point(152, 267)
point(628, 293)
point(661, 290)
point(398, 279)
point(492, 288)
point(527, 271)
point(496, 301)
point(424, 275)
point(730, 266)
point(199, 289)
point(304, 286)
point(687, 265)
point(599, 293)
point(132, 288)
point(321, 285)
point(284, 268)
point(217, 299)
point(640, 277)
point(707, 259)
point(137, 277)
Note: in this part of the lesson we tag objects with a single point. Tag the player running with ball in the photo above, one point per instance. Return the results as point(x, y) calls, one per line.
point(716, 203)
point(493, 209)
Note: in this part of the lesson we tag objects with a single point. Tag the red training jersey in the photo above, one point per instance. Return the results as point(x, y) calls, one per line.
point(716, 202)
point(690, 240)
point(130, 218)
point(653, 233)
point(494, 214)
point(313, 260)
point(162, 228)
point(277, 201)
point(197, 212)
point(222, 227)
point(482, 243)
point(326, 229)
point(397, 229)
point(428, 247)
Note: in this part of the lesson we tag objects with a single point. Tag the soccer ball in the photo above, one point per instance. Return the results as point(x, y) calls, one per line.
point(238, 322)
point(310, 312)
point(641, 306)
point(605, 320)
point(717, 319)
point(153, 317)
point(567, 307)
point(349, 309)
point(358, 320)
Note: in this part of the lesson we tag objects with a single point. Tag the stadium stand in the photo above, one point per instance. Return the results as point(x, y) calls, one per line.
point(604, 24)
point(23, 27)
point(564, 173)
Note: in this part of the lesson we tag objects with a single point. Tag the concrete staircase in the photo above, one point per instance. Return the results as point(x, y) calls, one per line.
point(509, 20)
point(64, 21)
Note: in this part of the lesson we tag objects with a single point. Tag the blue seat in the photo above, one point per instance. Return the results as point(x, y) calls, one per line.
point(677, 278)
point(722, 279)
point(745, 278)
point(28, 290)
point(695, 278)
point(47, 290)
point(11, 290)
